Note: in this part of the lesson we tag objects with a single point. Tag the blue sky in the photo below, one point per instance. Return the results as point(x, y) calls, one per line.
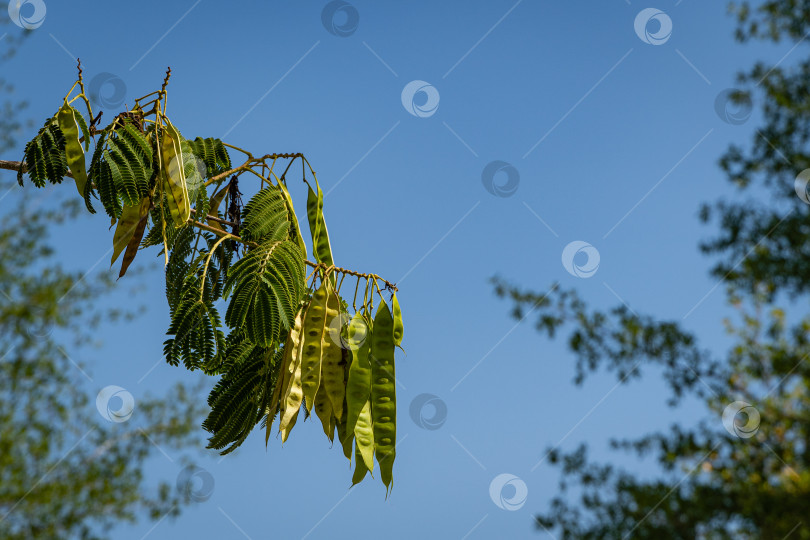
point(615, 142)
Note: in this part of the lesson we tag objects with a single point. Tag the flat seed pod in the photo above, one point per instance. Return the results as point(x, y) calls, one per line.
point(66, 118)
point(213, 208)
point(296, 228)
point(383, 392)
point(128, 223)
point(292, 353)
point(358, 387)
point(285, 432)
point(360, 468)
point(323, 409)
point(332, 371)
point(173, 175)
point(399, 329)
point(364, 436)
point(293, 393)
point(317, 341)
point(322, 249)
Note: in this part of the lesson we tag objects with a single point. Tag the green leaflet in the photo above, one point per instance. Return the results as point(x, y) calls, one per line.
point(265, 217)
point(383, 392)
point(66, 117)
point(132, 219)
point(44, 156)
point(321, 248)
point(174, 178)
point(240, 398)
point(266, 287)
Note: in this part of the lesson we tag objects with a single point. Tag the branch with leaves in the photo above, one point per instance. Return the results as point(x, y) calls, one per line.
point(288, 339)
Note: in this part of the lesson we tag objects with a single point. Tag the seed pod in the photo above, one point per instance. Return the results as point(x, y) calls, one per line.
point(360, 468)
point(321, 248)
point(345, 436)
point(398, 327)
point(292, 350)
point(213, 208)
point(68, 123)
point(364, 436)
point(323, 409)
point(358, 387)
point(318, 347)
point(131, 218)
point(332, 371)
point(296, 228)
point(174, 177)
point(383, 392)
point(292, 391)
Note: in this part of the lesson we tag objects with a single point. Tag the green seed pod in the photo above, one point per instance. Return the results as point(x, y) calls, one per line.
point(174, 176)
point(358, 388)
point(332, 371)
point(68, 123)
point(364, 436)
point(383, 392)
point(398, 327)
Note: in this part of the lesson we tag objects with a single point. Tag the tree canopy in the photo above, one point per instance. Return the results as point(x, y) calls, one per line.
point(746, 475)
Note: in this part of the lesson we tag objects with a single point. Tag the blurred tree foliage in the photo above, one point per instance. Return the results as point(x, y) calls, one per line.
point(754, 483)
point(65, 471)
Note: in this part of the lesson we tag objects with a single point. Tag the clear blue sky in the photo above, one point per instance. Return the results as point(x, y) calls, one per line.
point(615, 142)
